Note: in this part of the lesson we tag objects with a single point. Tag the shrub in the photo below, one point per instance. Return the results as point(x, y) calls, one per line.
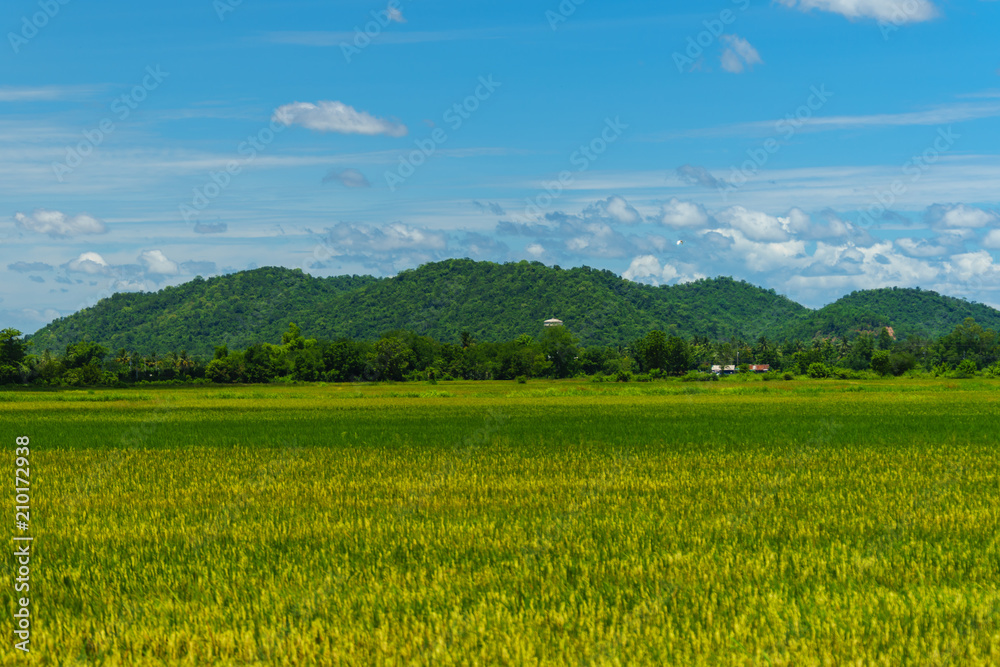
point(788, 376)
point(521, 379)
point(695, 376)
point(966, 369)
point(623, 376)
point(882, 362)
point(818, 371)
point(643, 378)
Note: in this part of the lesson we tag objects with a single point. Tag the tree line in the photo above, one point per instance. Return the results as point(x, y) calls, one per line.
point(557, 353)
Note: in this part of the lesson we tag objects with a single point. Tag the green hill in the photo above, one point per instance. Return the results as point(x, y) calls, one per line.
point(909, 311)
point(491, 301)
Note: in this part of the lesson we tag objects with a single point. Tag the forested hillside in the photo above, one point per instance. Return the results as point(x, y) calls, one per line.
point(492, 302)
point(237, 310)
point(911, 312)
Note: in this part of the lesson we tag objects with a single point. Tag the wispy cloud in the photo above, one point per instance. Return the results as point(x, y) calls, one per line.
point(739, 54)
point(955, 113)
point(896, 11)
point(45, 93)
point(333, 116)
point(349, 178)
point(336, 38)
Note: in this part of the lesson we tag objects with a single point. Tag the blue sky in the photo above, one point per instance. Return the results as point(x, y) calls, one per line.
point(814, 146)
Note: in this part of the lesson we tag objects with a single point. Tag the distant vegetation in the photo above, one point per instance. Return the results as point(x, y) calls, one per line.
point(557, 353)
point(477, 320)
point(493, 302)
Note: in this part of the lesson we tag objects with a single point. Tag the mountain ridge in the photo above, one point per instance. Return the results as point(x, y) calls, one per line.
point(491, 301)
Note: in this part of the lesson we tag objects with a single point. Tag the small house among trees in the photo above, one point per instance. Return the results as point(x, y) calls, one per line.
point(553, 323)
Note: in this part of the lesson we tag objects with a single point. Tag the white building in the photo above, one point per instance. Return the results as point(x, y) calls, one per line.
point(553, 323)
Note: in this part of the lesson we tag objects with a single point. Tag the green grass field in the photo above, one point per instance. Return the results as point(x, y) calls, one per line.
point(786, 523)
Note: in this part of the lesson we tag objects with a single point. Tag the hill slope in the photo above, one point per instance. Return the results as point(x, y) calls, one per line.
point(492, 301)
point(909, 311)
point(236, 310)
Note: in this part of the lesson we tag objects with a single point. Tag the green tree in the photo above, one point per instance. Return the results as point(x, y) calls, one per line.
point(390, 358)
point(885, 341)
point(560, 347)
point(882, 362)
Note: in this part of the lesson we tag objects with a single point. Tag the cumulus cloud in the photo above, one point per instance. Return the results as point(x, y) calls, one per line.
point(920, 248)
point(647, 269)
point(90, 263)
point(992, 239)
point(57, 224)
point(349, 178)
point(615, 209)
point(535, 250)
point(960, 216)
point(766, 256)
point(894, 11)
point(29, 267)
point(332, 116)
point(738, 54)
point(755, 225)
point(683, 215)
point(156, 263)
point(382, 242)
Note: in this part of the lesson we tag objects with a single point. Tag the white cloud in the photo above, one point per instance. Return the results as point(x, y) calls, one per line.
point(614, 208)
point(896, 12)
point(156, 263)
point(762, 257)
point(647, 269)
point(89, 262)
point(683, 215)
point(738, 54)
point(920, 248)
point(755, 225)
point(346, 239)
point(973, 265)
point(621, 210)
point(327, 116)
point(395, 14)
point(960, 216)
point(57, 224)
point(992, 239)
point(44, 93)
point(535, 250)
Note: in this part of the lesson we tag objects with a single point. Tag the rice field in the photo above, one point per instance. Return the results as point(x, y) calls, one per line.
point(552, 523)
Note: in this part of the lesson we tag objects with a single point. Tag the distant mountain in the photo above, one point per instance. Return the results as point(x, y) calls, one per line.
point(491, 301)
point(909, 311)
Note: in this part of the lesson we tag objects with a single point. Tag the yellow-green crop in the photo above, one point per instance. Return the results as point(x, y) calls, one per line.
point(493, 523)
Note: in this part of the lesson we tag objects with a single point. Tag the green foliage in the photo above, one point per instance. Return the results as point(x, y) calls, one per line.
point(818, 371)
point(882, 362)
point(966, 369)
point(487, 302)
point(909, 311)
